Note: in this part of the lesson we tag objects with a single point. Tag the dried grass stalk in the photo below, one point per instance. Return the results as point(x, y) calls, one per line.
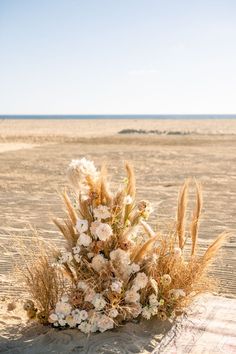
point(181, 213)
point(196, 216)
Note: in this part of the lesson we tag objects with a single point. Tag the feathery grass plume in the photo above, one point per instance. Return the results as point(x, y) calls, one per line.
point(147, 228)
point(195, 219)
point(131, 185)
point(181, 213)
point(106, 195)
point(144, 249)
point(69, 207)
point(66, 232)
point(213, 249)
point(114, 266)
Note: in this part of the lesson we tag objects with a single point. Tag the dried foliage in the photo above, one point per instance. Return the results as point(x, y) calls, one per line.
point(114, 267)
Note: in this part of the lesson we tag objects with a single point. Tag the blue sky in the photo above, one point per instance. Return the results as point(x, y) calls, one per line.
point(117, 56)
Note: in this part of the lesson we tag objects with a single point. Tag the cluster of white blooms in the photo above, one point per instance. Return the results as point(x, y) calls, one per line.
point(151, 309)
point(65, 315)
point(79, 170)
point(94, 321)
point(140, 281)
point(65, 257)
point(98, 302)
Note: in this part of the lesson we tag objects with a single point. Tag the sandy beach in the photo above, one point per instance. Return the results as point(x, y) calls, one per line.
point(34, 156)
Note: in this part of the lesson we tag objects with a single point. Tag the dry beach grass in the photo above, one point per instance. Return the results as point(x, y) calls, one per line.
point(30, 178)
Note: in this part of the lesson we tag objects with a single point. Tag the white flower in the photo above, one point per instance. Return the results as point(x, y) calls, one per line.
point(85, 327)
point(82, 285)
point(154, 310)
point(77, 257)
point(65, 257)
point(81, 225)
point(177, 252)
point(62, 322)
point(120, 256)
point(83, 315)
point(128, 200)
point(153, 301)
point(140, 281)
point(89, 296)
point(63, 308)
point(135, 268)
point(166, 279)
point(84, 240)
point(132, 296)
point(104, 323)
point(99, 262)
point(76, 250)
point(113, 313)
point(99, 302)
point(76, 316)
point(93, 227)
point(116, 286)
point(71, 321)
point(102, 212)
point(146, 313)
point(103, 231)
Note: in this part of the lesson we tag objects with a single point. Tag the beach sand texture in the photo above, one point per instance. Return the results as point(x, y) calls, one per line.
point(31, 176)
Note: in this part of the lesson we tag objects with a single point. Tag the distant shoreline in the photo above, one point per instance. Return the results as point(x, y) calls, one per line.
point(121, 116)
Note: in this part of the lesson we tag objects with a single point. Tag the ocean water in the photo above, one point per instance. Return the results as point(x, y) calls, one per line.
point(121, 116)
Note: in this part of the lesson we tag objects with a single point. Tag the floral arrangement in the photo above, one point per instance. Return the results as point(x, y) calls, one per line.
point(114, 267)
